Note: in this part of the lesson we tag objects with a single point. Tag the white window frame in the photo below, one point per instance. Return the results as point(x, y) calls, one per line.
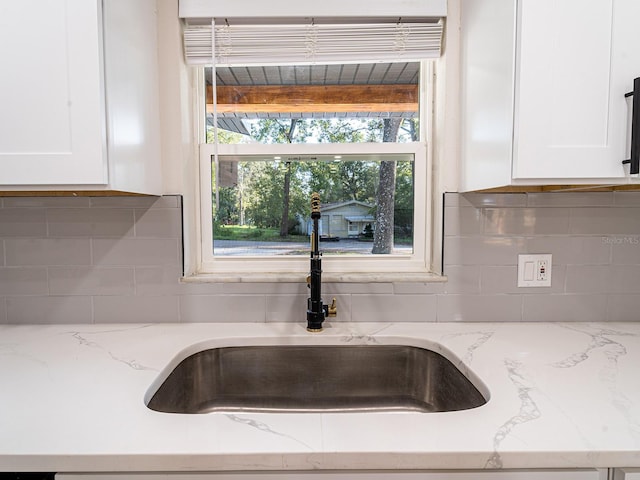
point(388, 267)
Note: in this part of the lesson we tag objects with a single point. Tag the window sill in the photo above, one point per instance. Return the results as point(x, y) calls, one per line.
point(295, 277)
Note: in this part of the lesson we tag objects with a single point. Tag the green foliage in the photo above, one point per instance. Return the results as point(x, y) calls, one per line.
point(258, 198)
point(263, 197)
point(246, 232)
point(403, 201)
point(358, 180)
point(225, 136)
point(228, 212)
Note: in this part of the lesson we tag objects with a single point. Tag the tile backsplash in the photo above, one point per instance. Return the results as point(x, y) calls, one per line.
point(118, 259)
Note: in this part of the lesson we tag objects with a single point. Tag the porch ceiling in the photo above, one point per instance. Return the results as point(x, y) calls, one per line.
point(316, 91)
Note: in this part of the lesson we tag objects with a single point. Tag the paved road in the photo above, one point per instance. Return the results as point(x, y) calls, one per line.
point(245, 247)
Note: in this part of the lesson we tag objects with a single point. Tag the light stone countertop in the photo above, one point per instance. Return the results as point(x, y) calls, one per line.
point(562, 395)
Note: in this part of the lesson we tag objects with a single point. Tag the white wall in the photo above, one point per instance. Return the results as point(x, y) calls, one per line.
point(178, 138)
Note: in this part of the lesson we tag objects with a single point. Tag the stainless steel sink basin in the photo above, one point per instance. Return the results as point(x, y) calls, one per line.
point(316, 379)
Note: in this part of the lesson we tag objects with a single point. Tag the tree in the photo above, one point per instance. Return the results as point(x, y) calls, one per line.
point(286, 197)
point(263, 193)
point(403, 201)
point(275, 193)
point(383, 235)
point(358, 180)
point(276, 131)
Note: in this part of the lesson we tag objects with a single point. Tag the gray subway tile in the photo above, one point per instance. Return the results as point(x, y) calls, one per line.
point(136, 251)
point(624, 279)
point(168, 201)
point(293, 308)
point(125, 201)
point(572, 249)
point(47, 251)
point(81, 280)
point(482, 250)
point(526, 221)
point(222, 308)
point(588, 279)
point(623, 308)
point(462, 279)
point(23, 281)
point(564, 308)
point(158, 222)
point(415, 288)
point(123, 309)
point(158, 280)
point(482, 200)
point(23, 222)
point(267, 288)
point(570, 199)
point(453, 199)
point(89, 222)
point(605, 221)
point(463, 221)
point(49, 310)
point(479, 308)
point(31, 202)
point(628, 199)
point(380, 288)
point(287, 308)
point(393, 308)
point(165, 280)
point(625, 249)
point(504, 279)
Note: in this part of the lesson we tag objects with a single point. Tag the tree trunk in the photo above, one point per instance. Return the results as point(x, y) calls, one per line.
point(383, 234)
point(284, 223)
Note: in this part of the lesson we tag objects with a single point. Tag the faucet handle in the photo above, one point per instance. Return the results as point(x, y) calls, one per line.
point(333, 309)
point(315, 202)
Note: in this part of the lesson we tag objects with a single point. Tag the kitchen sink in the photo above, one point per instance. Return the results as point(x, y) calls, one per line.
point(318, 378)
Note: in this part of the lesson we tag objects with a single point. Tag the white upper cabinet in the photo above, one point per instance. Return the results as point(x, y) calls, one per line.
point(51, 121)
point(79, 96)
point(564, 69)
point(626, 474)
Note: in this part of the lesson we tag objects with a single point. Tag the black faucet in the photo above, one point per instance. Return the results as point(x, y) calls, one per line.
point(317, 311)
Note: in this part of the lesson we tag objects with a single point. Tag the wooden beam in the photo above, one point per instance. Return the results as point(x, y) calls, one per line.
point(314, 98)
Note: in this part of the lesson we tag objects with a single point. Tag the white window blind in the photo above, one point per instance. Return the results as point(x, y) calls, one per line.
point(278, 44)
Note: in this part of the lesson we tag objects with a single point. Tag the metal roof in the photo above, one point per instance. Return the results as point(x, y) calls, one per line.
point(344, 74)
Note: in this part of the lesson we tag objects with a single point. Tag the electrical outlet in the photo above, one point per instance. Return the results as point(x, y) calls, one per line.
point(542, 270)
point(534, 270)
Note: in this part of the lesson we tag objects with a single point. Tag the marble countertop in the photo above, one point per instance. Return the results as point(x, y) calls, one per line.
point(561, 396)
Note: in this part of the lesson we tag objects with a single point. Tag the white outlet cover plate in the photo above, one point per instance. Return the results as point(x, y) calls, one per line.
point(530, 281)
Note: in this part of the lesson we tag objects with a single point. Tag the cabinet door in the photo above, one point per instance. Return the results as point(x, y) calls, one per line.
point(51, 108)
point(626, 474)
point(575, 62)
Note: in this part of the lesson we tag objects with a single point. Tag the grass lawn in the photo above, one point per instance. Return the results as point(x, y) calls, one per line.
point(246, 232)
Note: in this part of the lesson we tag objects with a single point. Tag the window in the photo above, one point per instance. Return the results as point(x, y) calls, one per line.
point(262, 206)
point(278, 138)
point(351, 126)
